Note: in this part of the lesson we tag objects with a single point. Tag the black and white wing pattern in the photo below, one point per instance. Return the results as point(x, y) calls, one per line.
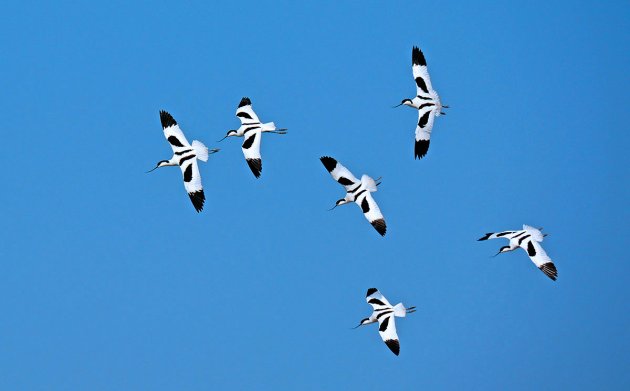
point(251, 150)
point(246, 114)
point(420, 72)
point(340, 173)
point(372, 212)
point(187, 159)
point(426, 117)
point(538, 255)
point(173, 133)
point(493, 235)
point(384, 313)
point(192, 183)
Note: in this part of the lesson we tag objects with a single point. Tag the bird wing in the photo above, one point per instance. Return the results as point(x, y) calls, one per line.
point(173, 133)
point(377, 300)
point(496, 235)
point(372, 212)
point(192, 183)
point(251, 150)
point(387, 330)
point(535, 232)
point(340, 173)
point(245, 112)
point(426, 117)
point(420, 72)
point(540, 258)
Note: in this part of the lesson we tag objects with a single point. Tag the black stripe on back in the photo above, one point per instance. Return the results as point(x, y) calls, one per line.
point(504, 233)
point(355, 189)
point(384, 325)
point(384, 313)
point(522, 233)
point(523, 238)
point(422, 106)
point(174, 141)
point(249, 141)
point(422, 85)
point(188, 173)
point(356, 197)
point(183, 152)
point(182, 160)
point(166, 119)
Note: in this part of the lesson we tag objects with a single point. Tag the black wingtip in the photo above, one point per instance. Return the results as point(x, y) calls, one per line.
point(380, 226)
point(371, 291)
point(256, 166)
point(417, 57)
point(166, 119)
point(197, 198)
point(485, 237)
point(245, 102)
point(328, 162)
point(550, 270)
point(421, 149)
point(393, 345)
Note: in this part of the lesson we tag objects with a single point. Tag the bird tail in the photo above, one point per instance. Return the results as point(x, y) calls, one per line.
point(268, 126)
point(399, 310)
point(200, 150)
point(369, 183)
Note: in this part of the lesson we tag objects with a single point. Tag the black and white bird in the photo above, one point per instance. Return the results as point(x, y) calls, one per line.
point(427, 102)
point(252, 129)
point(357, 191)
point(528, 239)
point(185, 156)
point(384, 314)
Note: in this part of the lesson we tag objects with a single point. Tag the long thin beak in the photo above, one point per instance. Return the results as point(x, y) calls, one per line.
point(393, 107)
point(333, 207)
point(222, 139)
point(496, 254)
point(151, 170)
point(356, 326)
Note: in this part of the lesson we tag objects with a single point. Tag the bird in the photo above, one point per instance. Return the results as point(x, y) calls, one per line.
point(185, 156)
point(252, 129)
point(528, 239)
point(357, 191)
point(384, 314)
point(427, 102)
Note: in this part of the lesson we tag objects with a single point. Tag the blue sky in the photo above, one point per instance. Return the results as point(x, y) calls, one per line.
point(111, 281)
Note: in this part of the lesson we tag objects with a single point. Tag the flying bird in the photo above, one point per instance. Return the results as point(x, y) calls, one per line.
point(252, 129)
point(384, 314)
point(427, 102)
point(528, 239)
point(357, 191)
point(185, 156)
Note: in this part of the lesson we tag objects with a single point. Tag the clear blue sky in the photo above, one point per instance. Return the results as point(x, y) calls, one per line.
point(110, 280)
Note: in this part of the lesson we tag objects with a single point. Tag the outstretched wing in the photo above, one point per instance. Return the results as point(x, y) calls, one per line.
point(251, 150)
point(245, 112)
point(420, 72)
point(377, 300)
point(540, 258)
point(340, 173)
point(492, 235)
point(192, 183)
point(387, 330)
point(426, 117)
point(372, 212)
point(174, 134)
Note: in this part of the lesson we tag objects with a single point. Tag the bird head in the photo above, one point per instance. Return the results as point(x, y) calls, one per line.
point(161, 163)
point(339, 202)
point(503, 250)
point(406, 102)
point(230, 132)
point(363, 321)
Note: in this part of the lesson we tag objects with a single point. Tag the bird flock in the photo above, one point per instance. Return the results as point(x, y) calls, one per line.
point(359, 191)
